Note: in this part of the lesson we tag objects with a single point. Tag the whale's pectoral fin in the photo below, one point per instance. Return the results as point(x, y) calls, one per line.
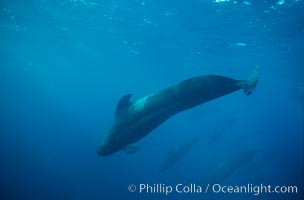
point(131, 149)
point(123, 104)
point(250, 84)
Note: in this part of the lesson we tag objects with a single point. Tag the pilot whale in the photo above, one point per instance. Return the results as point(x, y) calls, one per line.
point(133, 121)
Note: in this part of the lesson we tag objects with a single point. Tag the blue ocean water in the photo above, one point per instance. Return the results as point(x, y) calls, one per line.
point(66, 63)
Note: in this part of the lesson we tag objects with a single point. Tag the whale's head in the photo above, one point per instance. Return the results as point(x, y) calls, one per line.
point(108, 146)
point(106, 149)
point(116, 139)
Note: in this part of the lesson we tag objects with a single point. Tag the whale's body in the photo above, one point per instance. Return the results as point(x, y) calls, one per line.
point(133, 121)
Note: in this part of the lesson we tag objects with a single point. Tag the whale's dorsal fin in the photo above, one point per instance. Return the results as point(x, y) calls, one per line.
point(123, 104)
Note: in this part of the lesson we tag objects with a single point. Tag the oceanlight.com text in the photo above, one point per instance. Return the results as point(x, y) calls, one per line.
point(193, 188)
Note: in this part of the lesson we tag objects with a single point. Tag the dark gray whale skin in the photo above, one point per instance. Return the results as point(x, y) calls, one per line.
point(133, 121)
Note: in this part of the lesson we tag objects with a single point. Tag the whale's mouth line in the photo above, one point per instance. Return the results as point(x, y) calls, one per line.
point(105, 149)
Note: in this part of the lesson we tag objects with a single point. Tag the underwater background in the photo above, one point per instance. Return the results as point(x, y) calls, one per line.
point(66, 63)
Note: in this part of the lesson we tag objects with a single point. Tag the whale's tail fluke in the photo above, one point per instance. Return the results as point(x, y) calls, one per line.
point(250, 84)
